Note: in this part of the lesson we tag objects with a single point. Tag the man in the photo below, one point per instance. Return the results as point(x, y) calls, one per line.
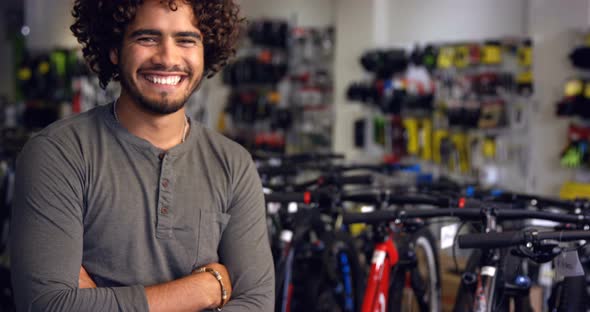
point(131, 206)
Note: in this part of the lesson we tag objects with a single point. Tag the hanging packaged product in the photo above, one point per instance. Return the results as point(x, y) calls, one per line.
point(460, 156)
point(429, 57)
point(360, 126)
point(398, 140)
point(525, 54)
point(426, 139)
point(474, 54)
point(438, 137)
point(412, 136)
point(492, 53)
point(446, 57)
point(462, 56)
point(379, 130)
point(576, 99)
point(524, 83)
point(574, 190)
point(489, 148)
point(493, 114)
point(576, 152)
point(580, 56)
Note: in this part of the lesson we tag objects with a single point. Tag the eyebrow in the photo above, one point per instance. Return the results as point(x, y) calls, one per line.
point(154, 32)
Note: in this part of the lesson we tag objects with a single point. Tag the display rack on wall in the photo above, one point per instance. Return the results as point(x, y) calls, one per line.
point(461, 108)
point(281, 89)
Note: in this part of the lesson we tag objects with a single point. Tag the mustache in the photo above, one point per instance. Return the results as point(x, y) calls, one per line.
point(162, 68)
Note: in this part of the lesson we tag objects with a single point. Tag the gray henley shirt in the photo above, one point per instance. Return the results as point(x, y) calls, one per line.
point(90, 193)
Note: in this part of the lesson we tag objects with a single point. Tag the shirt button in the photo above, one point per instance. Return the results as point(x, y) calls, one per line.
point(164, 210)
point(165, 183)
point(162, 155)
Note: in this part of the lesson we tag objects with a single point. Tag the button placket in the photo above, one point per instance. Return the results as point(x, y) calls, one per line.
point(164, 211)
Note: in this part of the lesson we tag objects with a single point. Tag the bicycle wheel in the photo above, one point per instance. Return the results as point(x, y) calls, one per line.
point(331, 280)
point(343, 270)
point(417, 288)
point(465, 293)
point(464, 301)
point(569, 295)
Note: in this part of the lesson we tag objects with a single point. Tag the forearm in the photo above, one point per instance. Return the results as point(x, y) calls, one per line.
point(259, 299)
point(99, 299)
point(195, 292)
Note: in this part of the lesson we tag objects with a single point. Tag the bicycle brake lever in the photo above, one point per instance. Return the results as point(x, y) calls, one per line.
point(539, 253)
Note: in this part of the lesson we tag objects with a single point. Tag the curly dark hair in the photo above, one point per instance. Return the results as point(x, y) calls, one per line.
point(100, 26)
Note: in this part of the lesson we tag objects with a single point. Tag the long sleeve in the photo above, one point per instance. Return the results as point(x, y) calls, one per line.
point(47, 235)
point(244, 247)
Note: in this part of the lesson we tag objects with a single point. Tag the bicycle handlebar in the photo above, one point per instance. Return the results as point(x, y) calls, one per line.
point(508, 239)
point(466, 214)
point(540, 201)
point(288, 197)
point(364, 179)
point(368, 167)
point(378, 197)
point(277, 171)
point(299, 158)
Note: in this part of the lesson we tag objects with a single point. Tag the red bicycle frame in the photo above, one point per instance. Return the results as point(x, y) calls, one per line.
point(385, 256)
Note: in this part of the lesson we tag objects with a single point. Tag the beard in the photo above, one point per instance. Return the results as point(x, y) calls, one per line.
point(163, 106)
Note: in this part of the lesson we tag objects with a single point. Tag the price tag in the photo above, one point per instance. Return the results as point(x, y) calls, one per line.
point(447, 235)
point(286, 236)
point(273, 208)
point(546, 274)
point(488, 271)
point(292, 208)
point(568, 264)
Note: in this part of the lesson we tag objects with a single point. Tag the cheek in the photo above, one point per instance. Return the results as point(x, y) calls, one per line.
point(133, 58)
point(197, 61)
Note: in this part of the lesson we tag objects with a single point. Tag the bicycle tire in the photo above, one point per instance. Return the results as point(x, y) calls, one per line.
point(337, 245)
point(465, 293)
point(319, 283)
point(572, 296)
point(423, 238)
point(464, 301)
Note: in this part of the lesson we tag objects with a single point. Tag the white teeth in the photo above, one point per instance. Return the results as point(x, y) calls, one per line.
point(168, 80)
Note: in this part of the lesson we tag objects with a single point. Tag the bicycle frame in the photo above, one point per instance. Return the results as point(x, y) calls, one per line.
point(385, 257)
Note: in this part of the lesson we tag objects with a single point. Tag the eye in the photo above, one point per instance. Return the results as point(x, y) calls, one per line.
point(187, 42)
point(147, 40)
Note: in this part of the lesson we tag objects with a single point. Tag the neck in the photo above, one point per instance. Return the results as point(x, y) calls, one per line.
point(162, 131)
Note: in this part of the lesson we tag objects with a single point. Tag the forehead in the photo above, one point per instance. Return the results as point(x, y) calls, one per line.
point(157, 14)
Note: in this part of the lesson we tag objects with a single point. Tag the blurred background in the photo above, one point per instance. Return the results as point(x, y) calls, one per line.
point(490, 91)
point(459, 84)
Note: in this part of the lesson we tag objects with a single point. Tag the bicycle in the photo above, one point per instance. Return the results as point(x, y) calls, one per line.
point(379, 286)
point(538, 246)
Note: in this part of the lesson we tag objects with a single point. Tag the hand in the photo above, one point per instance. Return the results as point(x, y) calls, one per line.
point(84, 281)
point(216, 293)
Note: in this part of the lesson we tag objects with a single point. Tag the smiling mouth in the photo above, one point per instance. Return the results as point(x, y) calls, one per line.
point(170, 80)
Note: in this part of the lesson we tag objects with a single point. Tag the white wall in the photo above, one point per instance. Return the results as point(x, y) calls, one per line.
point(549, 17)
point(306, 13)
point(352, 39)
point(552, 26)
point(455, 20)
point(50, 24)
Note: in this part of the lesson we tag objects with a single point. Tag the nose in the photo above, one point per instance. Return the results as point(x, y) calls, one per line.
point(167, 54)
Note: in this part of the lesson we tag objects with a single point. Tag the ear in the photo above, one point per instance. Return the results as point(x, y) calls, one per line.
point(114, 56)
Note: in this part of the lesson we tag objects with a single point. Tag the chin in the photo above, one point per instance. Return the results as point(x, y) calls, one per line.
point(161, 106)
